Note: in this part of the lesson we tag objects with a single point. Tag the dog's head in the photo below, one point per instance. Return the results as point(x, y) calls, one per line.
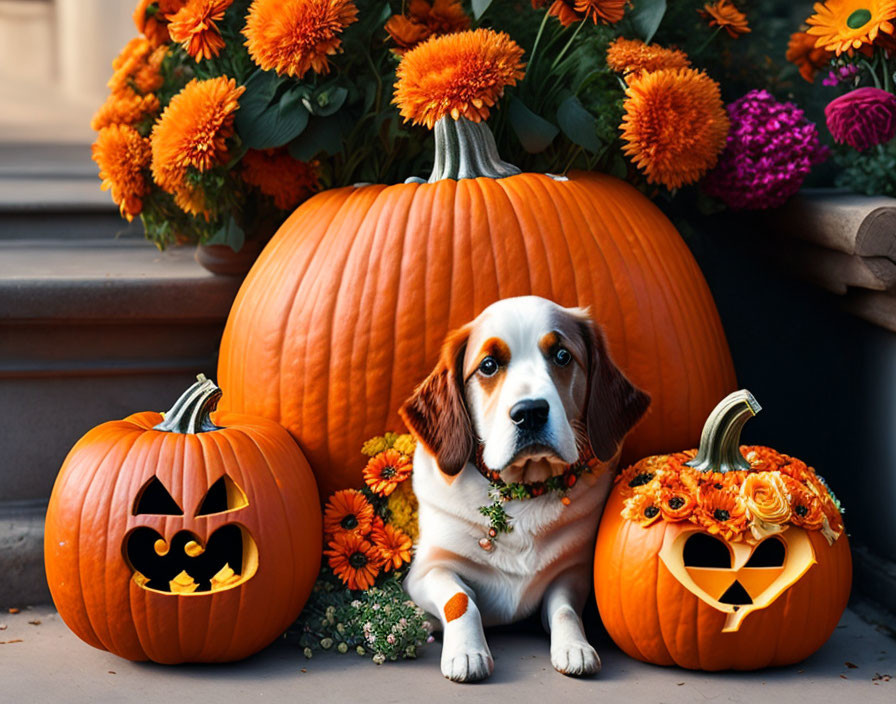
point(533, 383)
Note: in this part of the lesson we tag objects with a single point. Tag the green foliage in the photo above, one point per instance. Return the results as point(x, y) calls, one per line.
point(872, 172)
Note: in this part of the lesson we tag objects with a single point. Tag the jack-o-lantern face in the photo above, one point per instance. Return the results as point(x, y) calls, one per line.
point(737, 578)
point(186, 563)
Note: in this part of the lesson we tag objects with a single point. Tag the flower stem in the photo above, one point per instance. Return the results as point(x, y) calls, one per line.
point(534, 52)
point(568, 44)
point(708, 41)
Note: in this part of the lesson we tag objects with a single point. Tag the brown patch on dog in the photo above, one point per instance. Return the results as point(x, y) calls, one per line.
point(570, 381)
point(436, 413)
point(456, 607)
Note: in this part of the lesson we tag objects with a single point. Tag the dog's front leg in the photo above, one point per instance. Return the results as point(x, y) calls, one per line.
point(561, 614)
point(465, 653)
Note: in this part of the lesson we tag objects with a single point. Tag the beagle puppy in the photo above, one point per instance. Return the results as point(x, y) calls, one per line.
point(520, 395)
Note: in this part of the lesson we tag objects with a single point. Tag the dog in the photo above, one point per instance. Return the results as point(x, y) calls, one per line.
point(519, 395)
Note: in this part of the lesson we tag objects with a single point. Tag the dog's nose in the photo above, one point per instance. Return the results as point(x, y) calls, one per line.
point(530, 414)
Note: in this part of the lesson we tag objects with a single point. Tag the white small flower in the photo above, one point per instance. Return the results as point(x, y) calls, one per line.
point(356, 604)
point(307, 653)
point(379, 658)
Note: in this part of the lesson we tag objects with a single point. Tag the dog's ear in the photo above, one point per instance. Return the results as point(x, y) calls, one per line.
point(436, 412)
point(613, 404)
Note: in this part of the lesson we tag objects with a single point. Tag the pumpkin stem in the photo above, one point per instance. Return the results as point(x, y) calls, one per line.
point(191, 412)
point(720, 441)
point(466, 149)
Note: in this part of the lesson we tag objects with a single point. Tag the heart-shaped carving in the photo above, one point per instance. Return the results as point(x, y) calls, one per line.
point(737, 578)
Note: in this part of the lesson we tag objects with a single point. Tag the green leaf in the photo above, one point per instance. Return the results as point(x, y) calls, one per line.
point(578, 124)
point(322, 136)
point(534, 132)
point(230, 234)
point(281, 122)
point(326, 102)
point(479, 8)
point(646, 17)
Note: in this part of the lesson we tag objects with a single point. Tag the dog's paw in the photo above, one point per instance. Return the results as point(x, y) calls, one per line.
point(468, 667)
point(575, 659)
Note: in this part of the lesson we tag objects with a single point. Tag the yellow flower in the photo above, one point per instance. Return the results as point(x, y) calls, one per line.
point(405, 444)
point(674, 126)
point(293, 37)
point(402, 505)
point(123, 156)
point(374, 446)
point(845, 25)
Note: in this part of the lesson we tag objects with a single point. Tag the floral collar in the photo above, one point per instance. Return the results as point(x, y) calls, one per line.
point(501, 492)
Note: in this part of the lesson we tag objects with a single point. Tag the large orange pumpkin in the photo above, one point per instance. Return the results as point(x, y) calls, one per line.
point(345, 310)
point(726, 558)
point(181, 541)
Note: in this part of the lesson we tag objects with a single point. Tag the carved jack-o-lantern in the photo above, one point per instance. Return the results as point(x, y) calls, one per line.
point(177, 540)
point(722, 558)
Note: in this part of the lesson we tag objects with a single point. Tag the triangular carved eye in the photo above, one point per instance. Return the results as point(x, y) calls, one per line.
point(155, 499)
point(222, 496)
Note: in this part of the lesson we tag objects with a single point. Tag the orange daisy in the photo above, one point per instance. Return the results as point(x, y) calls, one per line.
point(354, 560)
point(385, 471)
point(193, 132)
point(632, 56)
point(292, 37)
point(805, 508)
point(151, 19)
point(126, 108)
point(676, 502)
point(674, 126)
point(394, 546)
point(123, 156)
point(641, 508)
point(461, 75)
point(844, 25)
point(275, 173)
point(572, 11)
point(405, 33)
point(725, 15)
point(720, 512)
point(194, 27)
point(348, 511)
point(809, 59)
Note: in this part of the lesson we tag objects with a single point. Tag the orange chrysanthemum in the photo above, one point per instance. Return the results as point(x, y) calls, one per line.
point(394, 546)
point(138, 67)
point(632, 56)
point(275, 173)
point(192, 133)
point(844, 25)
point(194, 27)
point(674, 125)
point(805, 507)
point(292, 37)
point(123, 156)
point(461, 75)
point(572, 11)
point(354, 560)
point(809, 59)
point(348, 511)
point(721, 512)
point(424, 20)
point(725, 15)
point(126, 108)
point(151, 19)
point(385, 471)
point(641, 508)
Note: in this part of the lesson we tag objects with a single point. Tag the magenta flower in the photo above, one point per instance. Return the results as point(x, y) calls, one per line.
point(862, 118)
point(770, 150)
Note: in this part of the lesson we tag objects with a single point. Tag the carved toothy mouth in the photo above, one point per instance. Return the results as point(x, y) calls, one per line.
point(186, 566)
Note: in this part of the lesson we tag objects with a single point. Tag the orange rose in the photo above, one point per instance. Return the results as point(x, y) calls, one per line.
point(767, 502)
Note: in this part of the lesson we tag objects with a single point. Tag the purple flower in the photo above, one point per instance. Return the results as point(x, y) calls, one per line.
point(844, 74)
point(862, 118)
point(770, 150)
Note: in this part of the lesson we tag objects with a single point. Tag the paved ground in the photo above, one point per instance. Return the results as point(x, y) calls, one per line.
point(50, 665)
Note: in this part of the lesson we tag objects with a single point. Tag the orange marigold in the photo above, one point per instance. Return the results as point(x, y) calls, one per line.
point(125, 108)
point(275, 173)
point(394, 546)
point(292, 37)
point(571, 11)
point(632, 56)
point(720, 512)
point(641, 508)
point(193, 131)
point(348, 511)
point(138, 67)
point(674, 126)
point(405, 33)
point(809, 59)
point(425, 19)
point(194, 27)
point(122, 156)
point(460, 74)
point(844, 25)
point(151, 19)
point(354, 560)
point(385, 471)
point(725, 15)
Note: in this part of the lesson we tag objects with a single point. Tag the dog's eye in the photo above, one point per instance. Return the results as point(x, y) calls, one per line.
point(562, 356)
point(488, 366)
